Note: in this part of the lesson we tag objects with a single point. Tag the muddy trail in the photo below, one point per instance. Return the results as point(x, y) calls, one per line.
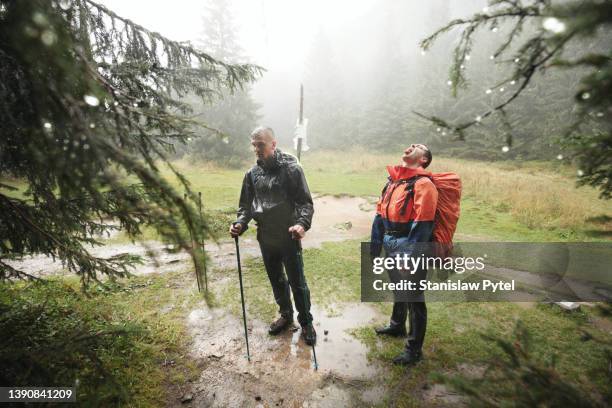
point(282, 371)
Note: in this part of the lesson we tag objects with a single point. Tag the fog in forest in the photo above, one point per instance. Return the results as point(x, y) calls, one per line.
point(364, 75)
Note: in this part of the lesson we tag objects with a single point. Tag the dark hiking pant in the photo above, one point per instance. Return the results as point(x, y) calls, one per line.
point(407, 306)
point(416, 313)
point(283, 251)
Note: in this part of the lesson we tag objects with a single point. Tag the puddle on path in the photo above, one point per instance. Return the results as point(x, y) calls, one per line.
point(281, 371)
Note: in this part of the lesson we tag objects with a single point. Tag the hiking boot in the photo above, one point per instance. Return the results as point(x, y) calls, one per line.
point(395, 331)
point(280, 324)
point(309, 334)
point(408, 357)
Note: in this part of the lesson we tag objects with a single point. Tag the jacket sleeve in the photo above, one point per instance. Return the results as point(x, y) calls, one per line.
point(247, 195)
point(376, 240)
point(304, 208)
point(424, 207)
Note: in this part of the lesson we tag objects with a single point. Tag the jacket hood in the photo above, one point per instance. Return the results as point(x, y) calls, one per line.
point(401, 173)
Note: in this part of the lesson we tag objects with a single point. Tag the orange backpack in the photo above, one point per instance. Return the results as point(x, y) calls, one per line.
point(447, 212)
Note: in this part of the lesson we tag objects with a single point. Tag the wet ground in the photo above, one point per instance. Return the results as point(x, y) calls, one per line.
point(282, 369)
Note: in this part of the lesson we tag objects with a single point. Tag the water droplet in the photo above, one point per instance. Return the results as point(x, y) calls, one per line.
point(478, 118)
point(75, 143)
point(492, 57)
point(559, 157)
point(83, 137)
point(505, 149)
point(423, 52)
point(449, 83)
point(48, 125)
point(225, 139)
point(66, 141)
point(85, 146)
point(553, 25)
point(189, 139)
point(517, 60)
point(65, 4)
point(468, 57)
point(438, 129)
point(485, 9)
point(72, 156)
point(443, 133)
point(585, 95)
point(502, 89)
point(462, 66)
point(512, 82)
point(91, 100)
point(494, 29)
point(599, 114)
point(48, 37)
point(39, 18)
point(65, 148)
point(92, 125)
point(488, 91)
point(116, 103)
point(580, 173)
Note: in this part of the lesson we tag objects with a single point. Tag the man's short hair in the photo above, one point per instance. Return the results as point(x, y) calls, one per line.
point(262, 130)
point(428, 156)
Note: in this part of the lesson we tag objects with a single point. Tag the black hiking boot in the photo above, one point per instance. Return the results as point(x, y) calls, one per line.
point(395, 331)
point(280, 324)
point(309, 334)
point(408, 358)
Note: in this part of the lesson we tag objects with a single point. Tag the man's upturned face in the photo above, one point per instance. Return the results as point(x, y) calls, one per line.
point(414, 155)
point(263, 146)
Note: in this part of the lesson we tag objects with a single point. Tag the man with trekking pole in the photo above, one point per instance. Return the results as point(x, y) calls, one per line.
point(275, 194)
point(412, 203)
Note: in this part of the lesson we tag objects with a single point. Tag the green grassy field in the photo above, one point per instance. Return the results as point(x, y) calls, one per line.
point(533, 202)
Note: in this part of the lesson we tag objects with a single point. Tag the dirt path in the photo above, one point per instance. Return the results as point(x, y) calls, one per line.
point(281, 371)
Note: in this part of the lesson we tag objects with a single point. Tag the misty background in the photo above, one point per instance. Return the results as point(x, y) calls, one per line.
point(364, 76)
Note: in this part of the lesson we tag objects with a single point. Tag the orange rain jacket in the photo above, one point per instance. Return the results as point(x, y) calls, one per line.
point(402, 212)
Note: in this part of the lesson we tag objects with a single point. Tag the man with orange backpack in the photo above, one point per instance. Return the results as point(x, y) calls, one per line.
point(409, 208)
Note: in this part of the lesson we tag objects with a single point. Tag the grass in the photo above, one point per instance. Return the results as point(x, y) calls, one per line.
point(530, 201)
point(508, 201)
point(455, 340)
point(141, 360)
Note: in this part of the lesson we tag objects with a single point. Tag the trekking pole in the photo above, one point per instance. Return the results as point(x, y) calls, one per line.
point(301, 266)
point(246, 334)
point(203, 247)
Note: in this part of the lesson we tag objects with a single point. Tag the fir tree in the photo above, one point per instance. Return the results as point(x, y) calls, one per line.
point(234, 112)
point(541, 37)
point(89, 109)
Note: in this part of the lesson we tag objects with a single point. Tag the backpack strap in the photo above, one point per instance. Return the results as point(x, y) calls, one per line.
point(409, 192)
